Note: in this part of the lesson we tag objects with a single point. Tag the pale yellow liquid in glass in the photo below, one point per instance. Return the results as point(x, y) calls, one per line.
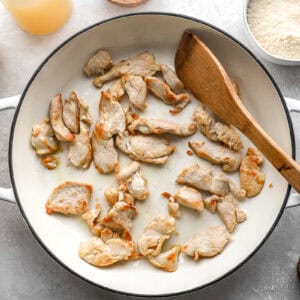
point(39, 16)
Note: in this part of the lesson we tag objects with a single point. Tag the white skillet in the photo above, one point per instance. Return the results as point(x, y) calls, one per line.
point(61, 72)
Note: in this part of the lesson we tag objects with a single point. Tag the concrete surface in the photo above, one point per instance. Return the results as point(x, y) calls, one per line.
point(27, 272)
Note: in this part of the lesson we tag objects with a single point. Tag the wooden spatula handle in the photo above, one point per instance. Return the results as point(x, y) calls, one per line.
point(285, 165)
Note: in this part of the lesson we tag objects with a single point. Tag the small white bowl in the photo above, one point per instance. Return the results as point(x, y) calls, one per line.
point(262, 51)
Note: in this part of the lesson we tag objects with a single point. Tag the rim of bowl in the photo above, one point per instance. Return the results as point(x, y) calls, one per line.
point(291, 61)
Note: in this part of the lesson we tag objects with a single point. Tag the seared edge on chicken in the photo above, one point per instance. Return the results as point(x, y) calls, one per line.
point(61, 132)
point(98, 63)
point(217, 131)
point(49, 162)
point(171, 79)
point(142, 64)
point(155, 234)
point(189, 197)
point(43, 139)
point(71, 113)
point(207, 243)
point(251, 177)
point(69, 198)
point(217, 154)
point(92, 218)
point(100, 254)
point(166, 260)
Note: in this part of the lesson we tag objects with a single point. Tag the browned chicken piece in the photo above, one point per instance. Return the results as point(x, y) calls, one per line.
point(157, 126)
point(251, 178)
point(142, 64)
point(100, 254)
point(107, 234)
point(111, 196)
point(210, 203)
point(112, 116)
point(92, 218)
point(136, 90)
point(119, 217)
point(155, 234)
point(241, 216)
point(217, 154)
point(202, 178)
point(61, 132)
point(98, 63)
point(49, 162)
point(173, 206)
point(166, 260)
point(227, 212)
point(69, 198)
point(138, 186)
point(104, 152)
point(149, 149)
point(180, 106)
point(162, 91)
point(43, 139)
point(80, 150)
point(189, 197)
point(207, 243)
point(71, 113)
point(116, 90)
point(217, 131)
point(237, 192)
point(128, 171)
point(128, 199)
point(171, 79)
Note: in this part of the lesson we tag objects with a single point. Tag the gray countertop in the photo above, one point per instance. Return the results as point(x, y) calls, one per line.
point(27, 271)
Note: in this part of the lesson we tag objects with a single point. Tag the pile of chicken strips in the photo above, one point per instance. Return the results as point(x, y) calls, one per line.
point(143, 140)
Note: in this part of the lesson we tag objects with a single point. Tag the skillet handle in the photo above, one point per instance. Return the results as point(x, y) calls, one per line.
point(293, 106)
point(7, 194)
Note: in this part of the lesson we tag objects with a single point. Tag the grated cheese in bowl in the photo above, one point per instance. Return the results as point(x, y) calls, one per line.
point(276, 26)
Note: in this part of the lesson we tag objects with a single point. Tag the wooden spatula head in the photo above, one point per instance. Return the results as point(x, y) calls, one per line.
point(205, 77)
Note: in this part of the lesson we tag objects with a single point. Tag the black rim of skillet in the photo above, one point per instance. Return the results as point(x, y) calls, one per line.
point(16, 117)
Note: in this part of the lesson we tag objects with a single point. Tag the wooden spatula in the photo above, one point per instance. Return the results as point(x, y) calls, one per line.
point(205, 77)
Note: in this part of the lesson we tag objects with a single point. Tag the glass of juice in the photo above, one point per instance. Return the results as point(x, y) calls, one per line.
point(39, 16)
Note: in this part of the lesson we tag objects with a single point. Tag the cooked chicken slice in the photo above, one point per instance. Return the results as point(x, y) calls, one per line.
point(189, 197)
point(116, 90)
point(71, 113)
point(61, 132)
point(69, 198)
point(171, 79)
point(128, 171)
point(237, 192)
point(43, 139)
point(100, 254)
point(180, 106)
point(157, 126)
point(251, 178)
point(98, 63)
point(227, 212)
point(202, 178)
point(119, 217)
point(80, 149)
point(112, 116)
point(208, 243)
point(138, 186)
point(217, 131)
point(210, 203)
point(241, 216)
point(159, 230)
point(107, 234)
point(128, 199)
point(162, 91)
point(174, 209)
point(166, 260)
point(111, 196)
point(217, 154)
point(49, 162)
point(147, 149)
point(136, 90)
point(92, 218)
point(104, 152)
point(142, 64)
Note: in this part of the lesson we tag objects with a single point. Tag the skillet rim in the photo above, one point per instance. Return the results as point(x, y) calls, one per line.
point(52, 53)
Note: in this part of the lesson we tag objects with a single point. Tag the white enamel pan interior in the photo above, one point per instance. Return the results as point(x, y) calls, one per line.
point(60, 236)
